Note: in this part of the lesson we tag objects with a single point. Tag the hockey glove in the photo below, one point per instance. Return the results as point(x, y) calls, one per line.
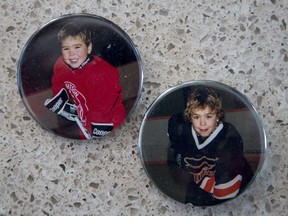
point(100, 129)
point(58, 102)
point(69, 112)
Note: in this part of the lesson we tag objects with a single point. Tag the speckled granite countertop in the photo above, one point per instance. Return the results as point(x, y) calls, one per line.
point(240, 43)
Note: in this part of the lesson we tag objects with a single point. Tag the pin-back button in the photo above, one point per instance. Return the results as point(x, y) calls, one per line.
point(202, 142)
point(80, 76)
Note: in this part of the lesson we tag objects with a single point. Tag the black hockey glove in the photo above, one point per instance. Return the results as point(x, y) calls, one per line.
point(58, 102)
point(60, 105)
point(100, 129)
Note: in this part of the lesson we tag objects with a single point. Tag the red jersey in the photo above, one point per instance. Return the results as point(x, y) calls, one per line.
point(94, 87)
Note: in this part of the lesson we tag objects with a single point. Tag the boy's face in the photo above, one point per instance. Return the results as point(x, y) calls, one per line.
point(204, 121)
point(75, 51)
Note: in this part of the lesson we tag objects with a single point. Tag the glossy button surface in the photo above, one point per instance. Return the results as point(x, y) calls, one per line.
point(80, 76)
point(202, 142)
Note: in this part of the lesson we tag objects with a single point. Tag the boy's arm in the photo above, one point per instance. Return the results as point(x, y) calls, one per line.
point(119, 113)
point(175, 135)
point(57, 81)
point(59, 104)
point(228, 177)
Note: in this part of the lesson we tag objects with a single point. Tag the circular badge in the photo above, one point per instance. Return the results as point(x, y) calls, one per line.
point(80, 76)
point(202, 143)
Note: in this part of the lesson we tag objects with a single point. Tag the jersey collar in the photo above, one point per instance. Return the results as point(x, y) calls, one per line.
point(89, 59)
point(209, 139)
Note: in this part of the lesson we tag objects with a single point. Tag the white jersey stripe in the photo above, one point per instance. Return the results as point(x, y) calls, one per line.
point(230, 183)
point(229, 189)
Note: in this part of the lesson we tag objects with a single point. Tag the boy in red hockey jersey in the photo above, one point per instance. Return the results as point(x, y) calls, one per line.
point(87, 80)
point(209, 150)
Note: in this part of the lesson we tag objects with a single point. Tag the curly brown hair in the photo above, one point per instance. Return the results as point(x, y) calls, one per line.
point(202, 97)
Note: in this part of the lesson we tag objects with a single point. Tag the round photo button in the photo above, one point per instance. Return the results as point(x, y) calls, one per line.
point(202, 143)
point(80, 76)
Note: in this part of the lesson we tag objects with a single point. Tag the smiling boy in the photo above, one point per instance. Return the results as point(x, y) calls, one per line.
point(89, 82)
point(204, 121)
point(75, 51)
point(208, 149)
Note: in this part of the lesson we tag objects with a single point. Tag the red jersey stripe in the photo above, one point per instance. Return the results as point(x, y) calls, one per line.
point(229, 189)
point(208, 184)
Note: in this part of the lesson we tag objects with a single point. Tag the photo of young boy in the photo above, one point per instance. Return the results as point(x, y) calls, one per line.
point(202, 143)
point(209, 149)
point(80, 76)
point(85, 87)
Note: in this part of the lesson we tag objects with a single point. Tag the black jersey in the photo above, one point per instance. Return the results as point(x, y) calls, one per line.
point(216, 164)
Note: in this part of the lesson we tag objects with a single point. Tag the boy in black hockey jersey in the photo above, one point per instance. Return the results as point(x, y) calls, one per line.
point(209, 150)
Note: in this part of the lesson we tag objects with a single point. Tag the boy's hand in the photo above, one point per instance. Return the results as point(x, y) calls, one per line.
point(100, 129)
point(58, 102)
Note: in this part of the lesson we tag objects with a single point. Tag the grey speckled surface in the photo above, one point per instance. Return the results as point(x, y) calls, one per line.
point(240, 43)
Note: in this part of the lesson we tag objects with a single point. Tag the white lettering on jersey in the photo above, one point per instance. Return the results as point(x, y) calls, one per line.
point(200, 167)
point(100, 132)
point(79, 99)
